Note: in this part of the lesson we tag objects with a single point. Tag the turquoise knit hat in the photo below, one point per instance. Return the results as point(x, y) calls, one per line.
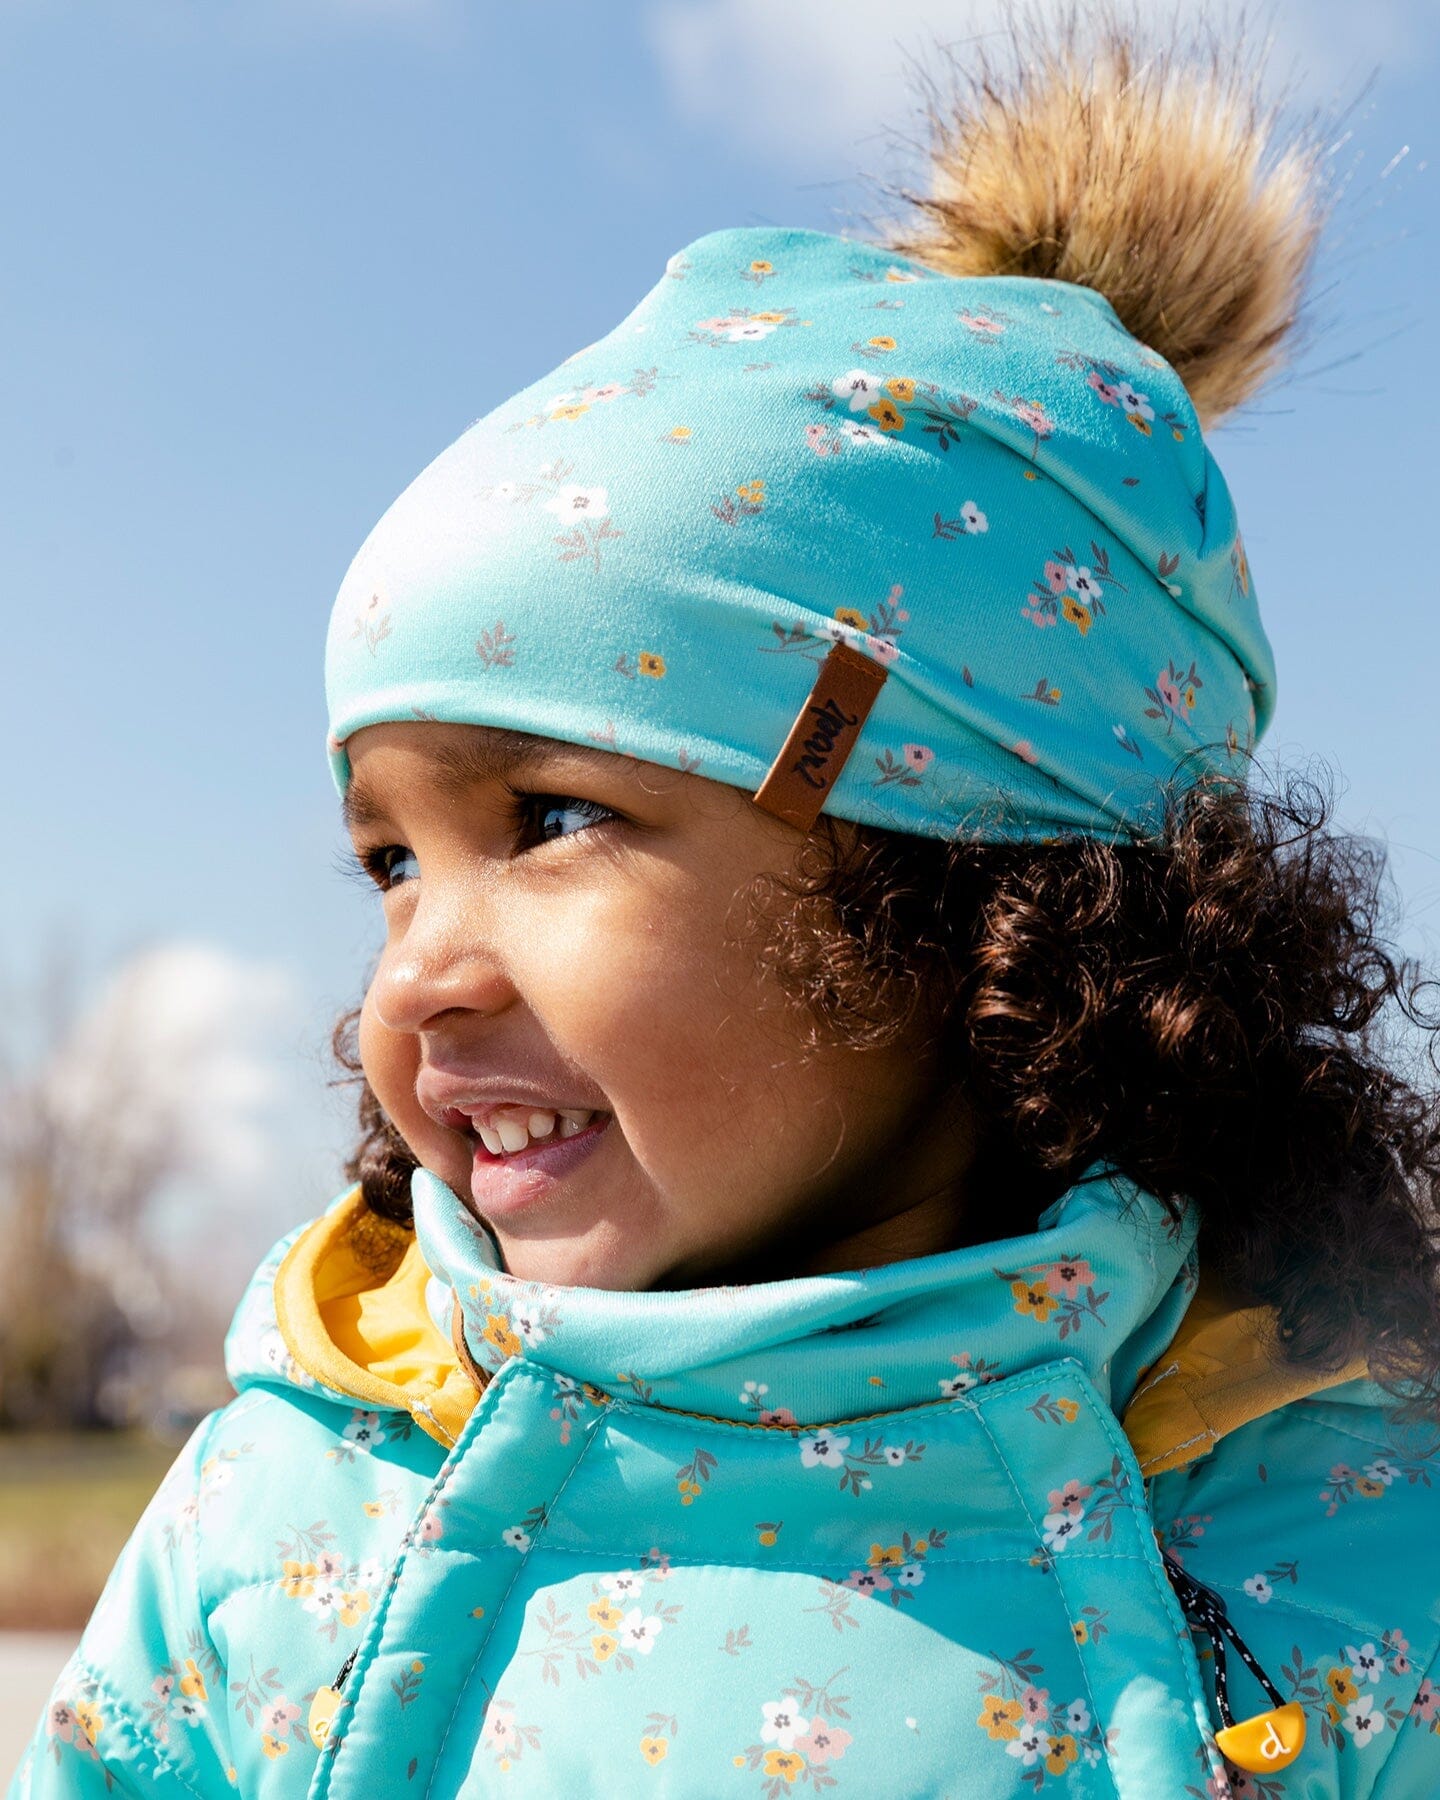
point(984, 488)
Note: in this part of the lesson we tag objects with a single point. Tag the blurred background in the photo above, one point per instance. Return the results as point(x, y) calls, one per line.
point(265, 260)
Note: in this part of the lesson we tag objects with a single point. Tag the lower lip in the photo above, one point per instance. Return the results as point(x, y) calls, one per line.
point(506, 1184)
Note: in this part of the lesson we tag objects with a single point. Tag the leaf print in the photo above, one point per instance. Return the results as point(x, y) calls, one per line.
point(585, 540)
point(496, 647)
point(835, 1605)
point(690, 1477)
point(1057, 1293)
point(736, 1641)
point(751, 501)
point(1173, 695)
point(371, 623)
point(504, 1737)
point(970, 521)
point(1127, 743)
point(1044, 693)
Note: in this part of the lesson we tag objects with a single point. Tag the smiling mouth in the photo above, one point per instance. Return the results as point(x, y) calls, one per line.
point(512, 1131)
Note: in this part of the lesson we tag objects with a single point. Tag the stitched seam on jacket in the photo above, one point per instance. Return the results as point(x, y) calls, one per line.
point(1153, 1382)
point(325, 1768)
point(500, 1606)
point(1199, 1438)
point(1389, 1449)
point(1363, 1629)
point(144, 1738)
point(1060, 1594)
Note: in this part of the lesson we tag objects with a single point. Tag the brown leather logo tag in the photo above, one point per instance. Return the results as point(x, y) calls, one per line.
point(822, 737)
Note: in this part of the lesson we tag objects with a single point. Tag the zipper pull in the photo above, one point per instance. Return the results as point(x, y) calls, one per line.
point(1272, 1739)
point(326, 1703)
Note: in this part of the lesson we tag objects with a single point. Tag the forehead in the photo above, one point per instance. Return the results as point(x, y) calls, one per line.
point(457, 758)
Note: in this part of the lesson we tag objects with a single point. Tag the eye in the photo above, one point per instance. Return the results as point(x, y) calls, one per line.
point(548, 816)
point(378, 865)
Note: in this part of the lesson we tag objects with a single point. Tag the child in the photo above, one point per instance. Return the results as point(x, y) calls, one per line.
point(882, 1256)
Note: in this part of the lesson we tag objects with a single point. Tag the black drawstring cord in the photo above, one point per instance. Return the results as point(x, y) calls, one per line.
point(1205, 1605)
point(345, 1669)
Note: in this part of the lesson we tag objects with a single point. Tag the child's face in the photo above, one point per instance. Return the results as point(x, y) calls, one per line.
point(570, 934)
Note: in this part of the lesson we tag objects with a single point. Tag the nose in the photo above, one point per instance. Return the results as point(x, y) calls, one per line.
point(445, 959)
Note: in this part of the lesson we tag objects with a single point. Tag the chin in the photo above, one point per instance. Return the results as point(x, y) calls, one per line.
point(589, 1262)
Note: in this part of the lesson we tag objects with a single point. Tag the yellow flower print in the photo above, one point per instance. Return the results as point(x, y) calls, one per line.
point(569, 412)
point(1062, 1752)
point(902, 388)
point(192, 1682)
point(272, 1745)
point(603, 1646)
point(885, 1556)
point(847, 615)
point(1139, 423)
point(1080, 1631)
point(689, 1491)
point(299, 1580)
point(1342, 1685)
point(352, 1605)
point(753, 491)
point(1076, 614)
point(680, 433)
point(498, 1332)
point(89, 1719)
point(1332, 1712)
point(787, 1764)
point(887, 415)
point(1369, 1487)
point(1033, 1299)
point(375, 1509)
point(882, 343)
point(769, 1534)
point(763, 268)
point(654, 1749)
point(651, 664)
point(605, 1613)
point(769, 318)
point(1001, 1718)
point(1070, 1412)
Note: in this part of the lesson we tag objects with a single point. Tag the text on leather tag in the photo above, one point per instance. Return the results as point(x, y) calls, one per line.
point(822, 737)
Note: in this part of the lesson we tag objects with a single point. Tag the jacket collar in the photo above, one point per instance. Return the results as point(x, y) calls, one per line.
point(1104, 1279)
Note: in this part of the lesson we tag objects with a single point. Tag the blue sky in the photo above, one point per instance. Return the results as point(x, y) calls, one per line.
point(264, 260)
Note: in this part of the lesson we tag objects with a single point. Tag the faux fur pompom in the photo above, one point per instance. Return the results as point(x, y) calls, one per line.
point(1157, 175)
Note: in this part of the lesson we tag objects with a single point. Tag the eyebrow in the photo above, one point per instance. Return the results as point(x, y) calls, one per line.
point(456, 768)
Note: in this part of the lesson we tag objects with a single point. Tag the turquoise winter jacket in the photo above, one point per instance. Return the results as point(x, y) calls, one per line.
point(879, 1532)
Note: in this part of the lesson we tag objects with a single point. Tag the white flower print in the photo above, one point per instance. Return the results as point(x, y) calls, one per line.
point(1077, 1717)
point(973, 519)
point(639, 1633)
point(783, 1723)
point(862, 434)
point(750, 329)
point(1084, 584)
point(860, 388)
point(364, 1430)
point(499, 1732)
point(1362, 1721)
point(823, 1451)
point(574, 501)
point(1060, 1527)
point(188, 1708)
point(528, 1327)
point(754, 1392)
point(894, 1456)
point(624, 1585)
point(1259, 1589)
point(910, 1574)
point(952, 1386)
point(370, 1573)
point(1382, 1469)
point(1366, 1664)
point(325, 1599)
point(1028, 1746)
point(515, 1538)
point(1133, 402)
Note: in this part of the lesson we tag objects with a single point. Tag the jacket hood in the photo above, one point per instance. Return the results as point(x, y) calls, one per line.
point(354, 1309)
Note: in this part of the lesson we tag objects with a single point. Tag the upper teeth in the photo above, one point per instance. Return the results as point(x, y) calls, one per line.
point(511, 1128)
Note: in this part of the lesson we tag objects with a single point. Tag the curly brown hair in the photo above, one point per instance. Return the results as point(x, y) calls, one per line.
point(1214, 1013)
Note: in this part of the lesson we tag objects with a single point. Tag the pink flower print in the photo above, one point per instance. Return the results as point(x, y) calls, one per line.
point(728, 323)
point(1036, 1701)
point(610, 391)
point(499, 1732)
point(868, 1581)
point(822, 1742)
point(1033, 414)
point(1168, 691)
point(918, 756)
point(1069, 1277)
point(820, 441)
point(778, 1415)
point(60, 1722)
point(278, 1716)
point(1427, 1702)
point(164, 1685)
point(1057, 578)
point(1025, 750)
point(1107, 391)
point(329, 1566)
point(977, 322)
point(431, 1529)
point(884, 650)
point(1071, 1498)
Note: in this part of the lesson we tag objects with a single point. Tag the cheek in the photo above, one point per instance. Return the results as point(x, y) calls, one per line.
point(391, 1060)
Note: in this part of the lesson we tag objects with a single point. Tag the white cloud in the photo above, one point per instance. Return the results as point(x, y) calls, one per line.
point(820, 82)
